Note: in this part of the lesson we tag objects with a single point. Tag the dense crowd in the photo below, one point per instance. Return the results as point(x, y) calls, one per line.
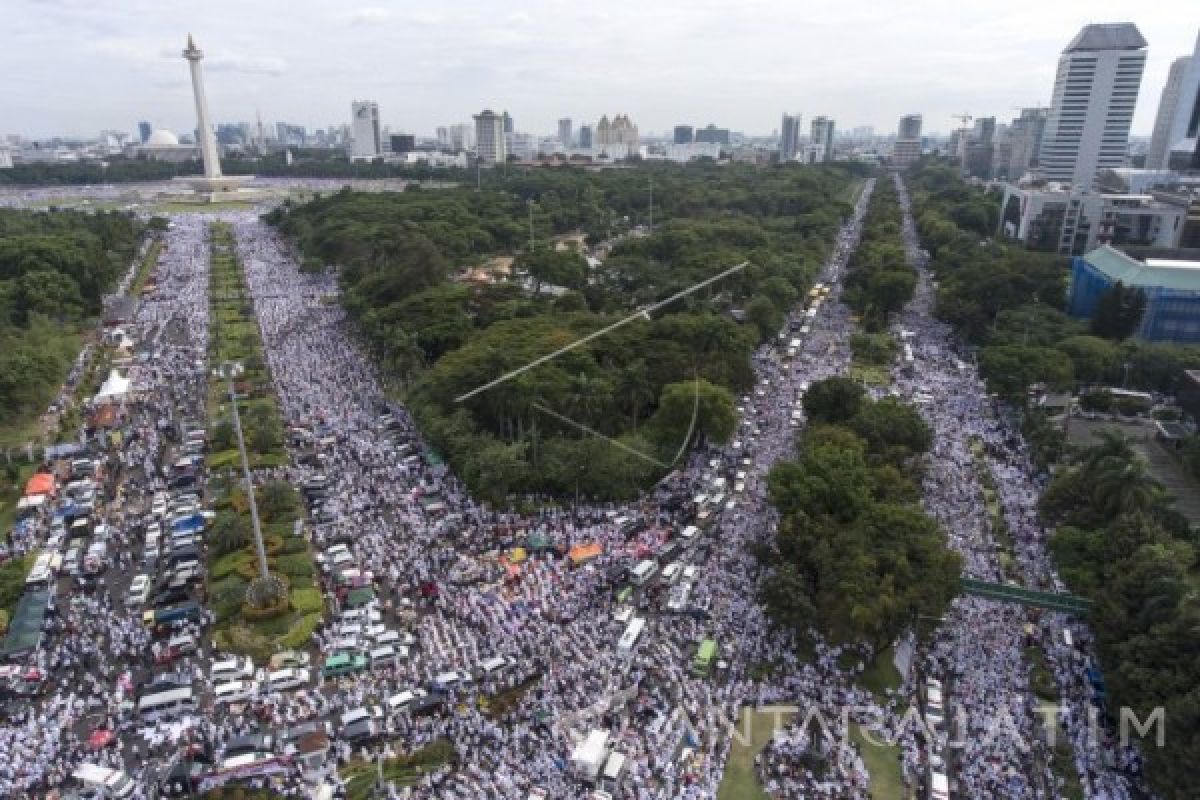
point(434, 555)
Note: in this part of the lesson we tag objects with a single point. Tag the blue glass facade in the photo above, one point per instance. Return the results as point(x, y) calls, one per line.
point(1172, 315)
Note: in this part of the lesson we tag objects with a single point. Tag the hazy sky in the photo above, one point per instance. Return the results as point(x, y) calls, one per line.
point(77, 66)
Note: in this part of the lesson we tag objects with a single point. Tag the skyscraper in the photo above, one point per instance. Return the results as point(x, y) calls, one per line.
point(564, 131)
point(489, 138)
point(1178, 115)
point(1024, 140)
point(822, 137)
point(585, 137)
point(907, 148)
point(1095, 91)
point(713, 135)
point(789, 138)
point(144, 130)
point(366, 139)
point(683, 134)
point(508, 123)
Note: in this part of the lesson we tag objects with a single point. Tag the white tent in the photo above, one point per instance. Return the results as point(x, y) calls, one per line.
point(114, 389)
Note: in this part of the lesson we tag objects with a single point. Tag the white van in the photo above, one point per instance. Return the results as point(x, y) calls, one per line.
point(107, 782)
point(939, 786)
point(290, 678)
point(231, 670)
point(644, 572)
point(401, 701)
point(671, 572)
point(385, 656)
point(689, 532)
point(234, 691)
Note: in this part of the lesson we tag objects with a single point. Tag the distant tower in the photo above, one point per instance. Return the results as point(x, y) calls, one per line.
point(367, 141)
point(489, 138)
point(208, 144)
point(564, 132)
point(1178, 117)
point(789, 139)
point(144, 131)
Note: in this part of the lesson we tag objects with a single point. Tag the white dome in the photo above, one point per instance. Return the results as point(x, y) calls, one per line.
point(162, 138)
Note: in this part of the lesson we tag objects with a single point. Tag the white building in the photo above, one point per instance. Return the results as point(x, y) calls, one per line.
point(489, 138)
point(1178, 111)
point(1071, 222)
point(1095, 91)
point(6, 161)
point(366, 137)
point(684, 153)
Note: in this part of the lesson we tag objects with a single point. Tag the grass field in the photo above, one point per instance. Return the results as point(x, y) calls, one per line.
point(883, 764)
point(740, 782)
point(881, 675)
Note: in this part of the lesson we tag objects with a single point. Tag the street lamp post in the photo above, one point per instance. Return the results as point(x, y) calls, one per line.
point(263, 571)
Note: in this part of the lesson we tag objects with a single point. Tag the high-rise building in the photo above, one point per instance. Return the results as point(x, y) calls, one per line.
point(822, 137)
point(909, 127)
point(144, 130)
point(564, 131)
point(683, 134)
point(489, 138)
point(585, 137)
point(1018, 150)
point(403, 142)
point(1095, 91)
point(462, 137)
point(619, 134)
point(1178, 117)
point(366, 138)
point(443, 137)
point(711, 134)
point(907, 148)
point(789, 137)
point(508, 123)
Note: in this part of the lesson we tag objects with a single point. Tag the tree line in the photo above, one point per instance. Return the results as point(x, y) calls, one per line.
point(1009, 304)
point(55, 267)
point(1120, 543)
point(402, 257)
point(879, 281)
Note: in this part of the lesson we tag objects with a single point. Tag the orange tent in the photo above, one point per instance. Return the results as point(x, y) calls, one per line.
point(582, 553)
point(40, 483)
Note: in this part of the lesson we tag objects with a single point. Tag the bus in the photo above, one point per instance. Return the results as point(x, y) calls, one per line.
point(633, 632)
point(42, 572)
point(704, 657)
point(168, 704)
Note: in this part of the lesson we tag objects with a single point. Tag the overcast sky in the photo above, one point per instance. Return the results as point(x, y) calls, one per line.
point(76, 66)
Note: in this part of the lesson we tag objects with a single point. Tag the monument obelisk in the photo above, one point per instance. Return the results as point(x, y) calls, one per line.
point(213, 186)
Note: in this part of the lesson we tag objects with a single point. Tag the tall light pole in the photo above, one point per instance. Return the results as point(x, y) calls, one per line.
point(227, 368)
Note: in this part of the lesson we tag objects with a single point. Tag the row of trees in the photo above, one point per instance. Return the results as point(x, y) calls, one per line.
point(1009, 302)
point(1120, 543)
point(880, 281)
point(55, 267)
point(855, 558)
point(400, 257)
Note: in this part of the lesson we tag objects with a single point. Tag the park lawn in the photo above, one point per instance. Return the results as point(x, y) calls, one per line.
point(870, 374)
point(740, 781)
point(883, 765)
point(881, 674)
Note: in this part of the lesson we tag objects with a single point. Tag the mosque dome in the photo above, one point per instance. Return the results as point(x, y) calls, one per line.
point(162, 138)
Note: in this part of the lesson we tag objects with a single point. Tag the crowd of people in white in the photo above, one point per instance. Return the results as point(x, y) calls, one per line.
point(556, 623)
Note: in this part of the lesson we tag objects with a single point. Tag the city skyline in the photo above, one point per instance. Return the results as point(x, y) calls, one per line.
point(679, 63)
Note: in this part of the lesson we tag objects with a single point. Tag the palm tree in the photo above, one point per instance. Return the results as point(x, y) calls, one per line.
point(1113, 444)
point(1121, 486)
